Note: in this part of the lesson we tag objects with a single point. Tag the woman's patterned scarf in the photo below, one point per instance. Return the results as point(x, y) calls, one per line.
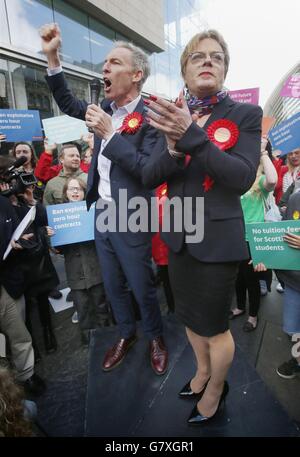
point(204, 105)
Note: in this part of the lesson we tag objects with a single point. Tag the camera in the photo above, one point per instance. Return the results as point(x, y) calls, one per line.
point(18, 180)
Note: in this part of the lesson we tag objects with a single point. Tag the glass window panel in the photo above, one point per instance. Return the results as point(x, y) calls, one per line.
point(78, 87)
point(121, 37)
point(31, 89)
point(4, 36)
point(25, 19)
point(6, 101)
point(101, 41)
point(75, 34)
point(81, 88)
point(163, 63)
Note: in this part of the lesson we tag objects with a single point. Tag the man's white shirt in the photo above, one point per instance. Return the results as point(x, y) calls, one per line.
point(104, 164)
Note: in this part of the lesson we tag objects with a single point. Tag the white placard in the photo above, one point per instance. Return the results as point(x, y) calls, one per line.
point(28, 219)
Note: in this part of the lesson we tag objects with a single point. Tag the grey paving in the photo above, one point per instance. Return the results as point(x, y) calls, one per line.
point(133, 401)
point(62, 410)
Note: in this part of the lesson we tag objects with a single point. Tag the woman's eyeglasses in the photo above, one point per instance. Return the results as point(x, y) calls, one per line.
point(74, 189)
point(216, 57)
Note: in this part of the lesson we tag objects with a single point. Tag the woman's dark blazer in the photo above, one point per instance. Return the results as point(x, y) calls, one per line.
point(233, 172)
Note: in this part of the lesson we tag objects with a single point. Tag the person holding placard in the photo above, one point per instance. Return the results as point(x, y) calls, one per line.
point(83, 272)
point(253, 204)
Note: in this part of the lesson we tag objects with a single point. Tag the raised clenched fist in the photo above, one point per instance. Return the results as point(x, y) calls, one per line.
point(51, 38)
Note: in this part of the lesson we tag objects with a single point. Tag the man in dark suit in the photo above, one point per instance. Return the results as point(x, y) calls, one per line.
point(121, 148)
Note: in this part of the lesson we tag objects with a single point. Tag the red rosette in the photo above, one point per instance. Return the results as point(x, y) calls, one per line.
point(207, 183)
point(132, 123)
point(223, 133)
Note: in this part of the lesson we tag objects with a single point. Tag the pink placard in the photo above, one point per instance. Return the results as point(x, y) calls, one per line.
point(245, 95)
point(291, 87)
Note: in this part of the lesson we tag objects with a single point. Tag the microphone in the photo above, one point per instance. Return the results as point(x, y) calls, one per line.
point(18, 163)
point(95, 87)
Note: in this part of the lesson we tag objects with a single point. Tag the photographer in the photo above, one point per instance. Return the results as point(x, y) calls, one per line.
point(35, 261)
point(11, 290)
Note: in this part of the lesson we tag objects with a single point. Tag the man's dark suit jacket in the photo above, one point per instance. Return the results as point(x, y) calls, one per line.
point(233, 171)
point(127, 152)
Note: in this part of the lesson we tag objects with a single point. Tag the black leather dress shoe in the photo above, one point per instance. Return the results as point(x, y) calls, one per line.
point(186, 391)
point(116, 354)
point(158, 355)
point(196, 418)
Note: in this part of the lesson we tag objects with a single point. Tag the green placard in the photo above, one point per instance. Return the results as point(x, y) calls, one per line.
point(267, 245)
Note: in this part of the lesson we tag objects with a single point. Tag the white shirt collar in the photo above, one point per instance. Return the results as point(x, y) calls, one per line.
point(126, 109)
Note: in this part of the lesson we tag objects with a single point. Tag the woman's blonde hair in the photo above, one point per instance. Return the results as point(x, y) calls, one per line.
point(192, 44)
point(291, 167)
point(12, 421)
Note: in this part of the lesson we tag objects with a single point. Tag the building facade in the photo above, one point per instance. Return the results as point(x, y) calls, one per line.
point(283, 107)
point(89, 28)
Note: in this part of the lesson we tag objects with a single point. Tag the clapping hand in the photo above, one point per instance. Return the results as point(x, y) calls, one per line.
point(171, 118)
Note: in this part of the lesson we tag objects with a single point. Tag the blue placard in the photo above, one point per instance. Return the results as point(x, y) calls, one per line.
point(20, 125)
point(71, 222)
point(286, 135)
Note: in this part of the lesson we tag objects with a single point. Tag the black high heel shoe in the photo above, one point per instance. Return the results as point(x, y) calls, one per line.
point(186, 391)
point(196, 418)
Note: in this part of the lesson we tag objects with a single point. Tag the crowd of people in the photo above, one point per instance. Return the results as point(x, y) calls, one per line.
point(147, 147)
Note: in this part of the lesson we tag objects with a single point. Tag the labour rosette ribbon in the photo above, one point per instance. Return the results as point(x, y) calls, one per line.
point(132, 123)
point(224, 134)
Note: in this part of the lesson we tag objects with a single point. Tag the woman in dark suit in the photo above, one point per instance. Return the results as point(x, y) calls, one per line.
point(213, 153)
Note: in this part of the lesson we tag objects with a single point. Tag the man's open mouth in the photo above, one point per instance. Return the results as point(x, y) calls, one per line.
point(107, 83)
